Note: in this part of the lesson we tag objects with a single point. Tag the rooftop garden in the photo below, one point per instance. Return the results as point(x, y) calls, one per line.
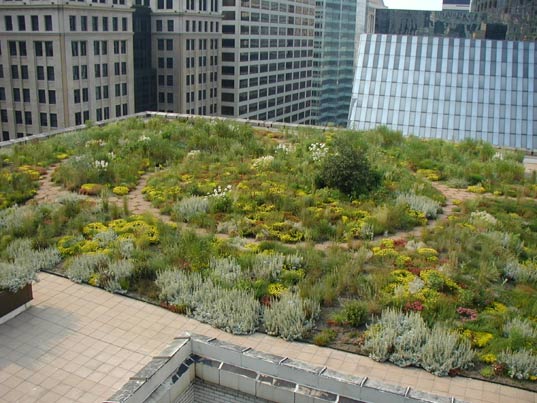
point(348, 239)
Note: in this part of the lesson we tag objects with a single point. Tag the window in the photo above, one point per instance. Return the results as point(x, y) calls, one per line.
point(97, 69)
point(3, 115)
point(76, 72)
point(125, 109)
point(118, 90)
point(16, 95)
point(76, 96)
point(52, 97)
point(94, 23)
point(104, 47)
point(72, 23)
point(43, 121)
point(169, 81)
point(49, 50)
point(118, 110)
point(74, 48)
point(40, 73)
point(116, 47)
point(22, 48)
point(38, 46)
point(170, 25)
point(170, 98)
point(169, 62)
point(99, 114)
point(78, 118)
point(161, 79)
point(123, 47)
point(124, 24)
point(123, 67)
point(96, 47)
point(50, 73)
point(105, 70)
point(105, 23)
point(21, 22)
point(12, 48)
point(2, 94)
point(160, 4)
point(159, 25)
point(15, 71)
point(117, 71)
point(84, 72)
point(35, 23)
point(84, 23)
point(8, 23)
point(18, 117)
point(105, 91)
point(83, 50)
point(53, 120)
point(160, 44)
point(107, 112)
point(48, 23)
point(124, 89)
point(25, 95)
point(28, 117)
point(24, 72)
point(97, 93)
point(85, 95)
point(115, 25)
point(169, 44)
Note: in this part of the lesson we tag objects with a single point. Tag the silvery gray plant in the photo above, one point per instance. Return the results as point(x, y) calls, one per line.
point(423, 204)
point(520, 364)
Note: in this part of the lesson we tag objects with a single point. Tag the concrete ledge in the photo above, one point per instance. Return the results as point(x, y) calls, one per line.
point(168, 378)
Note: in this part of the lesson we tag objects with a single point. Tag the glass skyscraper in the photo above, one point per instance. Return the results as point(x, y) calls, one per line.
point(448, 88)
point(335, 34)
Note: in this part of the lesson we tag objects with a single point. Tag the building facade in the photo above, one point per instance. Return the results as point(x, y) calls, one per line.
point(335, 30)
point(520, 16)
point(63, 63)
point(447, 88)
point(186, 55)
point(267, 59)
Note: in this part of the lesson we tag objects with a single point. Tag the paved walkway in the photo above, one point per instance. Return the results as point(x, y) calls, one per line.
point(80, 343)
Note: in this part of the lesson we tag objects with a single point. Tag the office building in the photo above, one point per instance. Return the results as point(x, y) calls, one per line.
point(267, 59)
point(63, 63)
point(447, 88)
point(463, 5)
point(520, 16)
point(185, 51)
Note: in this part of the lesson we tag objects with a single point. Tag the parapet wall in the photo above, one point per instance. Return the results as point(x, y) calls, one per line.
point(202, 369)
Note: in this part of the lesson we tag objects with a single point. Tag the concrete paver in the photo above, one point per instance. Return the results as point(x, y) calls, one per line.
point(59, 349)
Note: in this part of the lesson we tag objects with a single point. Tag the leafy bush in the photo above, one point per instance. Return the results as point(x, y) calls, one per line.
point(290, 317)
point(189, 207)
point(423, 204)
point(520, 365)
point(235, 311)
point(444, 350)
point(23, 264)
point(81, 268)
point(404, 339)
point(349, 171)
point(325, 337)
point(520, 327)
point(226, 269)
point(355, 313)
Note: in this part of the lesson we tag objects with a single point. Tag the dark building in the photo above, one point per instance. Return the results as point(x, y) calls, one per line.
point(446, 24)
point(145, 88)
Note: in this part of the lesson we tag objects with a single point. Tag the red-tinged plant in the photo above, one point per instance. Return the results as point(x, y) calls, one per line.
point(467, 314)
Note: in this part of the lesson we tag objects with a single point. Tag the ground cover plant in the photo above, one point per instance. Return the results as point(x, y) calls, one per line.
point(240, 241)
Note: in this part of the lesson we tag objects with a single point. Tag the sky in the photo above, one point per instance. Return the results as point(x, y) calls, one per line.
point(414, 4)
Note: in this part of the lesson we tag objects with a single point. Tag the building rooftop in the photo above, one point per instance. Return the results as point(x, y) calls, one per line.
point(80, 343)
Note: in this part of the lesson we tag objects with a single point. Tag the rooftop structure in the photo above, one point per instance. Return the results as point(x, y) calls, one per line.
point(447, 88)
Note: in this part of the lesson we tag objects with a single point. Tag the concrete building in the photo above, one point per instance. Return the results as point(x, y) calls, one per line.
point(520, 16)
point(185, 51)
point(63, 63)
point(463, 5)
point(267, 59)
point(447, 88)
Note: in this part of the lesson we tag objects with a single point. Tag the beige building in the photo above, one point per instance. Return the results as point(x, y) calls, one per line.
point(186, 54)
point(63, 63)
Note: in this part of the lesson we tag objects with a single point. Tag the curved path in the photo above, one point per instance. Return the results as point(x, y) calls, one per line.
point(79, 343)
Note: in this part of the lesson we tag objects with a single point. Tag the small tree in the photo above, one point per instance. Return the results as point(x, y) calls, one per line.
point(348, 170)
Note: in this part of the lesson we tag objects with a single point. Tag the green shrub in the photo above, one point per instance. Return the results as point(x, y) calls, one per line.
point(325, 337)
point(348, 170)
point(355, 312)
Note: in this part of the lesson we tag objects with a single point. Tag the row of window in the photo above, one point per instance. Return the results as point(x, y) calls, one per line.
point(283, 19)
point(272, 55)
point(79, 48)
point(21, 22)
point(263, 68)
point(52, 118)
point(101, 92)
point(265, 43)
point(25, 95)
point(74, 26)
point(22, 72)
